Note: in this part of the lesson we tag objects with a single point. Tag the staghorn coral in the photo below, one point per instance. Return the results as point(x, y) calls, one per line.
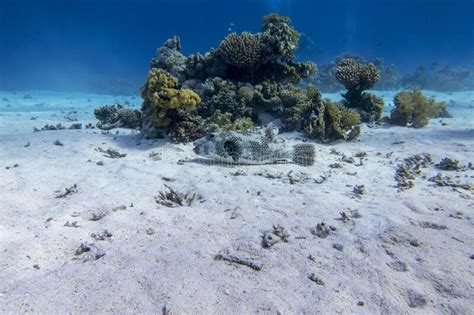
point(356, 78)
point(414, 109)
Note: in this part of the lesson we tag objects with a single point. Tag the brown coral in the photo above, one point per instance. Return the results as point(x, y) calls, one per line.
point(355, 75)
point(241, 51)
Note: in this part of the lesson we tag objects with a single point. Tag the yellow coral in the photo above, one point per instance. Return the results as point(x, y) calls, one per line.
point(188, 98)
point(163, 91)
point(159, 78)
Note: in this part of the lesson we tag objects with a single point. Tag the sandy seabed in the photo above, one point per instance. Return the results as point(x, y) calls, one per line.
point(81, 232)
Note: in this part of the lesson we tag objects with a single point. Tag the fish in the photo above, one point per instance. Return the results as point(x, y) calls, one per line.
point(239, 148)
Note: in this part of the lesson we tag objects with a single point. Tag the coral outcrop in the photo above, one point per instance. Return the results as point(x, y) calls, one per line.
point(356, 78)
point(414, 109)
point(249, 80)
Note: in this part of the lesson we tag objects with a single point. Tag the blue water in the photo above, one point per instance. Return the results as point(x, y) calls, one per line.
point(73, 44)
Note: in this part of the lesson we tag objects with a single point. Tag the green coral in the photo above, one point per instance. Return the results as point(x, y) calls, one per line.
point(358, 77)
point(285, 73)
point(414, 109)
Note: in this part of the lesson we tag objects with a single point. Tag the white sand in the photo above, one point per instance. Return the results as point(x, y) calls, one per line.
point(159, 256)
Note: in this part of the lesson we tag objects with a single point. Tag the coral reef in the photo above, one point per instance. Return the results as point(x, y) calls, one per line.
point(356, 78)
point(414, 109)
point(439, 78)
point(249, 80)
point(117, 116)
point(427, 77)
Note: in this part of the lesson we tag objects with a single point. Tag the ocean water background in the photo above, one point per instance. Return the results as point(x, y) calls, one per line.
point(75, 45)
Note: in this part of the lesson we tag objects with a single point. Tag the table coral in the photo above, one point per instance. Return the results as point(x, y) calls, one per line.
point(356, 78)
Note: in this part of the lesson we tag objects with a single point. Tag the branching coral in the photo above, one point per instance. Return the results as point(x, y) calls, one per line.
point(358, 77)
point(414, 109)
point(332, 121)
point(117, 116)
point(279, 39)
point(322, 120)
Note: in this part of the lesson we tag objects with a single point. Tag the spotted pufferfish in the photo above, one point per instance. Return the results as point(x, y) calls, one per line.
point(231, 147)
